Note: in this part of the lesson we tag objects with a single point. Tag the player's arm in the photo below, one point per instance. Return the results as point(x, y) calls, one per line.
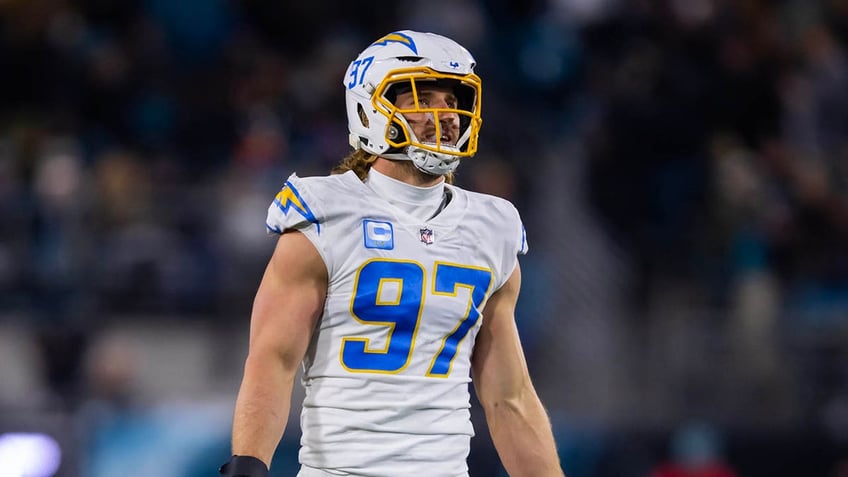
point(288, 303)
point(518, 423)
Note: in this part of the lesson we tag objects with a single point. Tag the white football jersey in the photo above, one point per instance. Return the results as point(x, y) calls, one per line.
point(387, 372)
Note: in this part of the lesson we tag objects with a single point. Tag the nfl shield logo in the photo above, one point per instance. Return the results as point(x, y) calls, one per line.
point(426, 235)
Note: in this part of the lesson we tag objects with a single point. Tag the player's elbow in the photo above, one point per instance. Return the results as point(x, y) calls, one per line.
point(508, 401)
point(268, 359)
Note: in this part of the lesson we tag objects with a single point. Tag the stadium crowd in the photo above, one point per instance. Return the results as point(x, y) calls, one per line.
point(681, 166)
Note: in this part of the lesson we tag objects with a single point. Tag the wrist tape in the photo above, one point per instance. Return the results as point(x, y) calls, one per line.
point(244, 466)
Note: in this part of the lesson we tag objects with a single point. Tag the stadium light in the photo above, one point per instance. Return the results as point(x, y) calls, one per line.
point(29, 454)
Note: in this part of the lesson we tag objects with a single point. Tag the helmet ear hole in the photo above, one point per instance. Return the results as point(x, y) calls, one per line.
point(363, 118)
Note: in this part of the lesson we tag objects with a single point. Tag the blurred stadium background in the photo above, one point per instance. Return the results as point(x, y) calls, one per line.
point(681, 166)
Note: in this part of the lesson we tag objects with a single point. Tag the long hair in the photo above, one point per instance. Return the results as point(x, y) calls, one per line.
point(360, 162)
point(357, 161)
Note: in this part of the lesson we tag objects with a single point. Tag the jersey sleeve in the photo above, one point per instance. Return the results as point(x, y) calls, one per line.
point(294, 208)
point(513, 239)
point(513, 230)
point(523, 245)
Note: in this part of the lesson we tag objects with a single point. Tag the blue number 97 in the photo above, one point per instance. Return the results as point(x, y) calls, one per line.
point(390, 293)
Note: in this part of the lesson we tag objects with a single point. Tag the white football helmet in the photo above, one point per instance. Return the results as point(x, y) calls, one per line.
point(401, 61)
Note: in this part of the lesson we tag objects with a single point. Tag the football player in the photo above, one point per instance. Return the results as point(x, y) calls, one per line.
point(393, 288)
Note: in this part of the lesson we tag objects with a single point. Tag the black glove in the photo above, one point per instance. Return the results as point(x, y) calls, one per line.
point(244, 466)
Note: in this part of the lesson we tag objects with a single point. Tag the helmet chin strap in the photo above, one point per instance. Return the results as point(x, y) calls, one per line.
point(430, 162)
